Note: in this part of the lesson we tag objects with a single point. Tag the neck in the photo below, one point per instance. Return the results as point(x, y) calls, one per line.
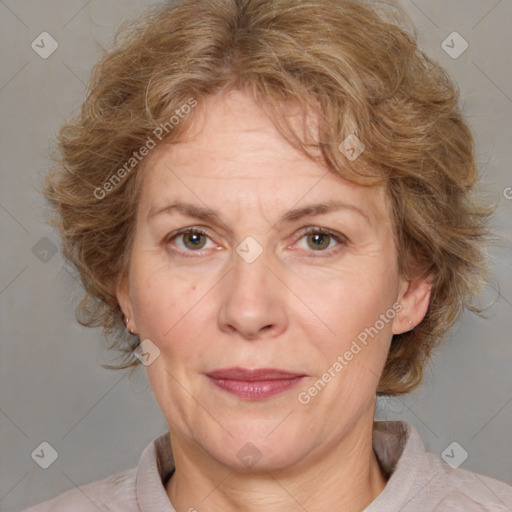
point(345, 477)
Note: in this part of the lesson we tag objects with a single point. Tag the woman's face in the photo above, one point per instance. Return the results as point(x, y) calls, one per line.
point(258, 291)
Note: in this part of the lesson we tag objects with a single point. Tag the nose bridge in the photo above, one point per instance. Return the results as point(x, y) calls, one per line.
point(252, 299)
point(251, 266)
point(251, 261)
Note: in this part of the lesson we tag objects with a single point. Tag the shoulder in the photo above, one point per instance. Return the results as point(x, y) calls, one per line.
point(419, 480)
point(114, 493)
point(133, 490)
point(460, 489)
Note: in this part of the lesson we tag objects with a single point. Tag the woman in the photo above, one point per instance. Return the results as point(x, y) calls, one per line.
point(274, 199)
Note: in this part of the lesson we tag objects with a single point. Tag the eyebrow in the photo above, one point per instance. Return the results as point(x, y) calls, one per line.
point(207, 214)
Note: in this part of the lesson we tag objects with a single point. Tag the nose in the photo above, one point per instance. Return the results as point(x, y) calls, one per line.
point(253, 302)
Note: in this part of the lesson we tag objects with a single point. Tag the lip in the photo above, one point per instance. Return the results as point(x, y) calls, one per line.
point(254, 384)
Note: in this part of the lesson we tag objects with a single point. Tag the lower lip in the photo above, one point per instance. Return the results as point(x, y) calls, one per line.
point(256, 389)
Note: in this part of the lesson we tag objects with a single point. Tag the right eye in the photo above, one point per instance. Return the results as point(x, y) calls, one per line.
point(190, 240)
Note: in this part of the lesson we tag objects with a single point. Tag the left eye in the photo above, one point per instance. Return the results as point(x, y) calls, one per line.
point(319, 240)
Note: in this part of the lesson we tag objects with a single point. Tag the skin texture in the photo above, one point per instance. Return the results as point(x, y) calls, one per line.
point(296, 308)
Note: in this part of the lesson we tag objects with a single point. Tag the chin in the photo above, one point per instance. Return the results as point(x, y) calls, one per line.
point(258, 446)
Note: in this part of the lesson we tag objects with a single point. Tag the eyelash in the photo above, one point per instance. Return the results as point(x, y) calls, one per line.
point(312, 230)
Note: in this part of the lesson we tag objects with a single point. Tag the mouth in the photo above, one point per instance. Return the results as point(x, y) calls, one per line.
point(254, 384)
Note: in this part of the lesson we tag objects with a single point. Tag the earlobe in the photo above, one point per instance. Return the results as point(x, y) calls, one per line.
point(415, 299)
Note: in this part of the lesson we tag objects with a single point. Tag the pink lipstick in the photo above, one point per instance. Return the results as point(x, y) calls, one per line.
point(254, 384)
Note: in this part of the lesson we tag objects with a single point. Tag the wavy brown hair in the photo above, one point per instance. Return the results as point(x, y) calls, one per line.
point(355, 66)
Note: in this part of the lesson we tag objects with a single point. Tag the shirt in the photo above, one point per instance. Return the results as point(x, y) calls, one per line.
point(417, 481)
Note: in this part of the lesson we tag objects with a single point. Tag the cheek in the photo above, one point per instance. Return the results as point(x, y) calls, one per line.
point(349, 303)
point(159, 297)
point(171, 309)
point(359, 314)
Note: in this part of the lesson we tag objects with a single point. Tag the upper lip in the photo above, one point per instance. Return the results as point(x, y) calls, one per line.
point(246, 374)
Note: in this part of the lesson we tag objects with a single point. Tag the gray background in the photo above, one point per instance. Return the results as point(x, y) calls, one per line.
point(52, 386)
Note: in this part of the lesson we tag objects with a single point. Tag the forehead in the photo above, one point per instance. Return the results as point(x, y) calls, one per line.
point(232, 151)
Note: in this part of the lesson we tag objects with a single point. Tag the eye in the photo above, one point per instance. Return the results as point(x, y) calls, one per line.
point(317, 239)
point(191, 239)
point(321, 240)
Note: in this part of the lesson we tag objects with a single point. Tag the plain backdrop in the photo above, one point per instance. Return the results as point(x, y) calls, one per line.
point(52, 386)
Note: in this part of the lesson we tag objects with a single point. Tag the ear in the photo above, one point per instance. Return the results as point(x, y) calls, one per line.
point(124, 300)
point(414, 296)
